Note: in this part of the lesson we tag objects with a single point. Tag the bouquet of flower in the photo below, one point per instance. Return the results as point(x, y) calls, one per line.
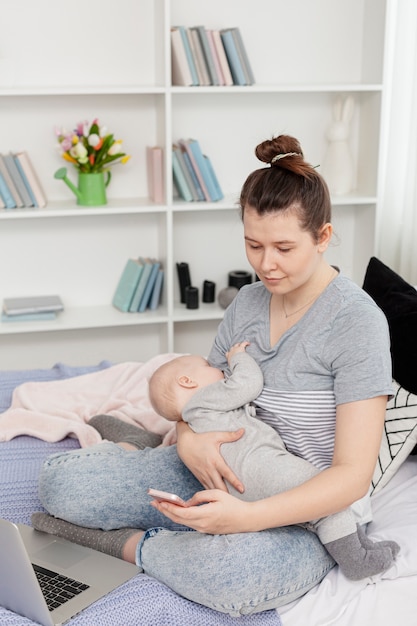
point(90, 148)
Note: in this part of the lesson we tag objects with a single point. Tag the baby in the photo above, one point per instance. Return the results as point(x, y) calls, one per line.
point(188, 388)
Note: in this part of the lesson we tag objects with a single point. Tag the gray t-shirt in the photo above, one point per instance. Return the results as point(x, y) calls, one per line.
point(338, 352)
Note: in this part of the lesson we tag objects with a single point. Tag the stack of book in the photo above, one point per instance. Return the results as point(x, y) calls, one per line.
point(202, 57)
point(140, 285)
point(31, 308)
point(19, 184)
point(193, 173)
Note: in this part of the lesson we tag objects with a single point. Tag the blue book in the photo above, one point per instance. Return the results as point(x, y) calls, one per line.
point(243, 56)
point(204, 169)
point(11, 167)
point(189, 55)
point(5, 194)
point(180, 180)
point(214, 177)
point(29, 317)
point(149, 286)
point(140, 287)
point(187, 173)
point(32, 201)
point(127, 284)
point(157, 290)
point(196, 182)
point(233, 57)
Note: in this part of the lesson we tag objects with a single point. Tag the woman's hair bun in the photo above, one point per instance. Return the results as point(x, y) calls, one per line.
point(270, 149)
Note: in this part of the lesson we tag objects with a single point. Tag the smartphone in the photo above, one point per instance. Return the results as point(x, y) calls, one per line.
point(164, 496)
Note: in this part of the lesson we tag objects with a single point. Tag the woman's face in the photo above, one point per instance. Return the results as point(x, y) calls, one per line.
point(284, 256)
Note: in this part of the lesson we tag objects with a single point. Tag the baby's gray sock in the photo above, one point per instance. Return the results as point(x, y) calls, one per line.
point(114, 429)
point(357, 561)
point(370, 545)
point(108, 541)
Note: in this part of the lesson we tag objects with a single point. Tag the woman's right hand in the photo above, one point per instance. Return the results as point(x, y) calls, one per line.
point(200, 452)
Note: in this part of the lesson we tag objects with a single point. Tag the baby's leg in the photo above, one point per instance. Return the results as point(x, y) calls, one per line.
point(357, 555)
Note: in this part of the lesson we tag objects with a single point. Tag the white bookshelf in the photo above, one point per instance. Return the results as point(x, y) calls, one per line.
point(303, 54)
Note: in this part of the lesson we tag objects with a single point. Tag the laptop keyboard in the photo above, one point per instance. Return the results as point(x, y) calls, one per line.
point(57, 589)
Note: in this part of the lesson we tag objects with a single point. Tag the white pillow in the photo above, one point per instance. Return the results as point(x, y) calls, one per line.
point(399, 437)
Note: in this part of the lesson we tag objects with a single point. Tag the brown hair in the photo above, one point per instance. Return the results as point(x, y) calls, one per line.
point(289, 182)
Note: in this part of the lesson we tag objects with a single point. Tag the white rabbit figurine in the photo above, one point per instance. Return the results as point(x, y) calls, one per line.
point(338, 168)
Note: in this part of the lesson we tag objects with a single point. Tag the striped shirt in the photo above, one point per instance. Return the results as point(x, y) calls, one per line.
point(305, 420)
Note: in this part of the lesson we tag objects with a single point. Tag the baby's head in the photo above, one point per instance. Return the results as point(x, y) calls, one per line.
point(173, 383)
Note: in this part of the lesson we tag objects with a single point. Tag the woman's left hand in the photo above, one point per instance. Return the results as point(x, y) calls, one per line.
point(213, 512)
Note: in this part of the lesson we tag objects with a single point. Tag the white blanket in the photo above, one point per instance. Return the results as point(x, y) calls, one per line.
point(53, 410)
point(386, 599)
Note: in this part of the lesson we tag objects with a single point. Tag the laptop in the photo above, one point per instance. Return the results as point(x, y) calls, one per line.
point(80, 574)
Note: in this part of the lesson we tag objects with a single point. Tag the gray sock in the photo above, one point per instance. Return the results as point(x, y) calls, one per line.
point(358, 561)
point(370, 545)
point(108, 541)
point(114, 429)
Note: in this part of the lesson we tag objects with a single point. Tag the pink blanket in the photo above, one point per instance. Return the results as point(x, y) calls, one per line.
point(53, 410)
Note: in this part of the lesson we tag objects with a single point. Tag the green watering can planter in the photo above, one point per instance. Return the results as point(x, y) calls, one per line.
point(91, 189)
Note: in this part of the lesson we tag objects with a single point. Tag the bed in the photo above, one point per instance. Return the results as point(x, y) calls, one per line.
point(144, 601)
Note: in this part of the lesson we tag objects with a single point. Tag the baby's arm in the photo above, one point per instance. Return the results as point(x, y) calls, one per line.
point(238, 347)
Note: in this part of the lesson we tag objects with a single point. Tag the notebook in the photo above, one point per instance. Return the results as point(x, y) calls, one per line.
point(82, 575)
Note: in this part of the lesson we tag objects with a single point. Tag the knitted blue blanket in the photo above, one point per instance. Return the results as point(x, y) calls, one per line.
point(143, 601)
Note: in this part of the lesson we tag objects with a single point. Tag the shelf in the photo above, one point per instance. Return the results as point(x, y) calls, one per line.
point(277, 89)
point(122, 206)
point(206, 311)
point(86, 317)
point(82, 90)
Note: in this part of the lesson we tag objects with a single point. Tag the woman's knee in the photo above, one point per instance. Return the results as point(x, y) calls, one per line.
point(68, 481)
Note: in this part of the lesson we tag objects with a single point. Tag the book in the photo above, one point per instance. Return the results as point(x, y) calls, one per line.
point(219, 192)
point(185, 144)
point(147, 264)
point(215, 57)
point(32, 304)
point(207, 55)
point(189, 55)
point(33, 201)
point(179, 179)
point(10, 184)
point(157, 290)
point(196, 183)
point(127, 284)
point(181, 73)
point(29, 317)
point(224, 64)
point(186, 171)
point(149, 286)
point(32, 179)
point(5, 194)
point(155, 175)
point(197, 48)
point(17, 179)
point(233, 57)
point(243, 56)
point(192, 46)
point(204, 169)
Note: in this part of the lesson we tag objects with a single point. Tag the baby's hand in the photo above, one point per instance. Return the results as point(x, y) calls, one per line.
point(238, 347)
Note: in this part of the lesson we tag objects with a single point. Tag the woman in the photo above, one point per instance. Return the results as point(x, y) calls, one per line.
point(323, 347)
